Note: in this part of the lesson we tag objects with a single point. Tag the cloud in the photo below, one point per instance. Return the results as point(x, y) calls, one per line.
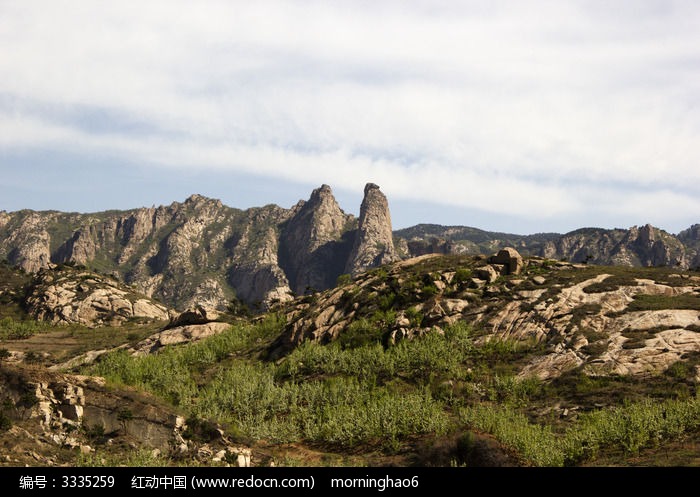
point(514, 108)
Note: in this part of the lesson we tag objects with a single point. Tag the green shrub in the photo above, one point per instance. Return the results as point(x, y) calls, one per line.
point(414, 316)
point(429, 290)
point(643, 302)
point(512, 390)
point(5, 422)
point(125, 414)
point(32, 357)
point(386, 302)
point(680, 370)
point(611, 283)
point(140, 458)
point(631, 427)
point(462, 275)
point(359, 333)
point(11, 329)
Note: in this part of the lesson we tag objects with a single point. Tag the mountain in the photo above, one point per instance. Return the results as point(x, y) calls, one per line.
point(202, 252)
point(434, 238)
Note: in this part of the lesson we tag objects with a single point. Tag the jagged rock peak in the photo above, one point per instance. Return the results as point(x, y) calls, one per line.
point(374, 242)
point(320, 196)
point(323, 190)
point(646, 233)
point(371, 186)
point(196, 198)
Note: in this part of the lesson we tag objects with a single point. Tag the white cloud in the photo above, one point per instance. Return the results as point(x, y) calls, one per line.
point(508, 107)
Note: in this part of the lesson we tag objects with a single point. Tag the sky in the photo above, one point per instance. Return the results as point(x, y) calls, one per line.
point(519, 116)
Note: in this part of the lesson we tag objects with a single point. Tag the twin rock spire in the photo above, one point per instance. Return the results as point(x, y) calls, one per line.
point(321, 242)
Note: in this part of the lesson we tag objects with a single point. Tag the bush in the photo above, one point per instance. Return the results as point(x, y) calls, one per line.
point(429, 290)
point(660, 302)
point(32, 357)
point(680, 370)
point(264, 401)
point(361, 332)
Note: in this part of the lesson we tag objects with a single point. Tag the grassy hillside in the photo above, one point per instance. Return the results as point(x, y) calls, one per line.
point(441, 399)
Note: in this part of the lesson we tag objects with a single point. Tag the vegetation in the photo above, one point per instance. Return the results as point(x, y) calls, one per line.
point(369, 391)
point(370, 395)
point(11, 329)
point(630, 427)
point(267, 402)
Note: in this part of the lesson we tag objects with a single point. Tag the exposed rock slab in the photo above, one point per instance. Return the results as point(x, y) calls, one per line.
point(177, 336)
point(79, 297)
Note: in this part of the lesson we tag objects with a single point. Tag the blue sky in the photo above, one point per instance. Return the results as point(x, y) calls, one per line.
point(518, 116)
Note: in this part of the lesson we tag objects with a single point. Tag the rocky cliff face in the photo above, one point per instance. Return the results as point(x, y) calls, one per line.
point(203, 252)
point(645, 246)
point(314, 242)
point(374, 241)
point(691, 239)
point(26, 239)
point(57, 416)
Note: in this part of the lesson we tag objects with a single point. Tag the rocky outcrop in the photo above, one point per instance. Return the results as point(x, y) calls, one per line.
point(199, 314)
point(428, 300)
point(645, 246)
point(625, 322)
point(27, 241)
point(78, 413)
point(255, 273)
point(177, 336)
point(374, 241)
point(314, 244)
point(203, 252)
point(70, 296)
point(691, 240)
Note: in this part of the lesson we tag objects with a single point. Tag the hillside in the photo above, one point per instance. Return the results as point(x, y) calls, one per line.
point(439, 360)
point(636, 246)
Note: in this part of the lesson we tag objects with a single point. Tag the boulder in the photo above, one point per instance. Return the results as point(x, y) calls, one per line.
point(195, 315)
point(486, 273)
point(510, 258)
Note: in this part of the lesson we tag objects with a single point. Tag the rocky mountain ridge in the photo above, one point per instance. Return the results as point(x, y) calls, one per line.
point(202, 252)
point(637, 246)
